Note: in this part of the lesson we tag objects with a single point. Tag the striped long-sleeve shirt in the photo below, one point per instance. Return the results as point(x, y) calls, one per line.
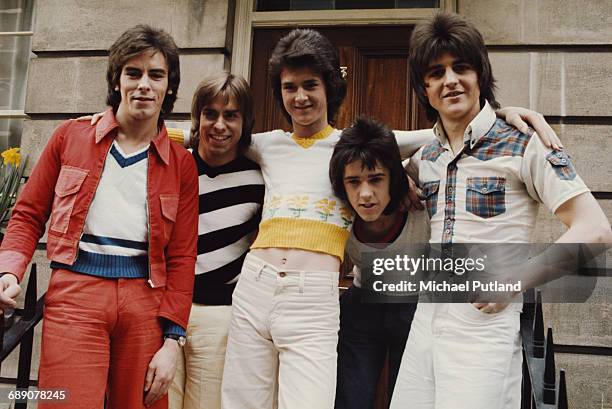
point(231, 197)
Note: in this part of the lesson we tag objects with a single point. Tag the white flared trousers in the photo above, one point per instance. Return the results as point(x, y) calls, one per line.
point(458, 357)
point(283, 334)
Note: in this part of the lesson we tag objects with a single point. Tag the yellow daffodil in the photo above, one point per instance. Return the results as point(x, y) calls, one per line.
point(11, 156)
point(10, 178)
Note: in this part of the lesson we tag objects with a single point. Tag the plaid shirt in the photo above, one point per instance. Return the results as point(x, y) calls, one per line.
point(490, 191)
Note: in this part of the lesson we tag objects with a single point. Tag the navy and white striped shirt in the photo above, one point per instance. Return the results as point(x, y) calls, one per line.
point(230, 197)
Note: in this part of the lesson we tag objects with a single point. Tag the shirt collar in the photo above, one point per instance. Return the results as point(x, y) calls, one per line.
point(108, 123)
point(476, 129)
point(310, 140)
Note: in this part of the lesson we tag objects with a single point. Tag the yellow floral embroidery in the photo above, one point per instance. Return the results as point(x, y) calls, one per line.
point(273, 205)
point(298, 204)
point(309, 141)
point(326, 208)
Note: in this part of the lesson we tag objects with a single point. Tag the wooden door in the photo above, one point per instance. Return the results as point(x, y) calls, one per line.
point(376, 61)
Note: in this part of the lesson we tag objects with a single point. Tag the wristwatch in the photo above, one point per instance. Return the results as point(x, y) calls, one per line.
point(178, 338)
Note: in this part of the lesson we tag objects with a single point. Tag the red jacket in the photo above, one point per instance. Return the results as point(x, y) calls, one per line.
point(63, 185)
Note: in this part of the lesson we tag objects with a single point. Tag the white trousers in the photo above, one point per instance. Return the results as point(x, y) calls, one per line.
point(458, 357)
point(197, 383)
point(282, 342)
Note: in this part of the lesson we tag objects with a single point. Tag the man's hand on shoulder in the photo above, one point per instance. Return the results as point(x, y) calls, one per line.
point(93, 119)
point(522, 118)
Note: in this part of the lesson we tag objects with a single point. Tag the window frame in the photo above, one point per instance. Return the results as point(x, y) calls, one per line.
point(14, 113)
point(328, 9)
point(15, 118)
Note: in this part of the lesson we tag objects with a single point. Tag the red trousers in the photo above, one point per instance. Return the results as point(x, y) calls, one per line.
point(99, 336)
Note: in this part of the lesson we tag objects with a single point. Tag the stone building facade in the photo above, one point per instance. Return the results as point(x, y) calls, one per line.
point(553, 56)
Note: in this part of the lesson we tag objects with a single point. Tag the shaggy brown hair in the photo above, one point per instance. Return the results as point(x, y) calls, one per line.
point(135, 41)
point(306, 48)
point(449, 33)
point(227, 86)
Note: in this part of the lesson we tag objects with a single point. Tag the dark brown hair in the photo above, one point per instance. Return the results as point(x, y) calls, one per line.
point(227, 86)
point(373, 144)
point(308, 48)
point(135, 41)
point(449, 33)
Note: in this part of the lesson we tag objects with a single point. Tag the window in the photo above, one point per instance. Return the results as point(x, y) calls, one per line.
point(287, 5)
point(15, 46)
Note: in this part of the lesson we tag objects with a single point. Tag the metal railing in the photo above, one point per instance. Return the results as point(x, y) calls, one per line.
point(21, 333)
point(540, 387)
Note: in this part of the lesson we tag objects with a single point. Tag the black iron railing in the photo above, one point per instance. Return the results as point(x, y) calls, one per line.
point(540, 387)
point(21, 333)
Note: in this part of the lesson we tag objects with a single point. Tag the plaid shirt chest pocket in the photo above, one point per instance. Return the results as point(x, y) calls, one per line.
point(429, 193)
point(486, 196)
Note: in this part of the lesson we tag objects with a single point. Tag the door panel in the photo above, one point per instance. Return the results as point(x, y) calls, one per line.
point(382, 99)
